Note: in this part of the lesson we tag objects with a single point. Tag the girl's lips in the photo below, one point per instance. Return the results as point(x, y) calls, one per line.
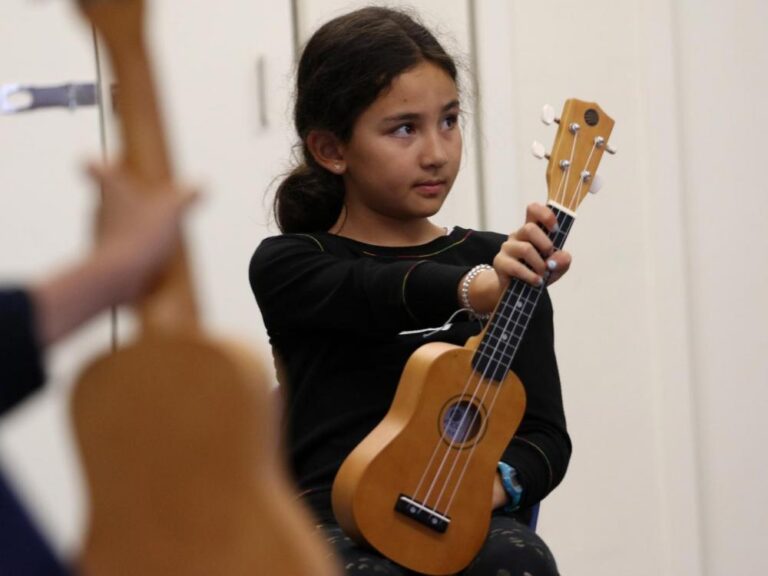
point(432, 186)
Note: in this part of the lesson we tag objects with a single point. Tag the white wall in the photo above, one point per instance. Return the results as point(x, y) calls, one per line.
point(723, 59)
point(660, 323)
point(606, 308)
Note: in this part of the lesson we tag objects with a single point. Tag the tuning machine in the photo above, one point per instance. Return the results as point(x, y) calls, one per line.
point(539, 151)
point(600, 143)
point(548, 115)
point(595, 183)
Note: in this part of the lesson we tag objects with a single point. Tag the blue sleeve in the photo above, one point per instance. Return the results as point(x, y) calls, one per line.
point(22, 548)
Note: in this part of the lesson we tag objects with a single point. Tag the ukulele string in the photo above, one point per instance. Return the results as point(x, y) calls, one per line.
point(437, 449)
point(537, 293)
point(567, 172)
point(453, 441)
point(457, 456)
point(442, 435)
point(570, 205)
point(577, 193)
point(483, 378)
point(523, 296)
point(459, 439)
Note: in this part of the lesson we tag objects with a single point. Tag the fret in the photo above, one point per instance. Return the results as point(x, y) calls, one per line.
point(499, 355)
point(522, 306)
point(495, 339)
point(514, 329)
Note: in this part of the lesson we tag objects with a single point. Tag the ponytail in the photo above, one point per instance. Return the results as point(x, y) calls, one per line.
point(309, 199)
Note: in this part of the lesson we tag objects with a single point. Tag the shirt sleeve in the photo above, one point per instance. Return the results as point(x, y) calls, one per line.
point(20, 356)
point(541, 448)
point(298, 285)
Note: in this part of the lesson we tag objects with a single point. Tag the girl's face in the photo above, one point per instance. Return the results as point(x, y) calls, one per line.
point(405, 149)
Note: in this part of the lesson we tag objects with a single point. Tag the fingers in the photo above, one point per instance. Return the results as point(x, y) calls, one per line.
point(110, 177)
point(529, 254)
point(539, 214)
point(115, 177)
point(562, 263)
point(520, 259)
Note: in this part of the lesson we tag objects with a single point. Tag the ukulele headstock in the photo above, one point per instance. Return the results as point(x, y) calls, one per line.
point(581, 140)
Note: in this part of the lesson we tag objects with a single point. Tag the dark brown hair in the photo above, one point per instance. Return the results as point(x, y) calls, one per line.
point(344, 67)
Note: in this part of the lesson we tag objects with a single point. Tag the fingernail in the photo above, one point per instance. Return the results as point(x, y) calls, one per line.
point(551, 264)
point(556, 227)
point(540, 282)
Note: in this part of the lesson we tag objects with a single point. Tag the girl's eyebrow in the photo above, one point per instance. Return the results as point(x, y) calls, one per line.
point(410, 116)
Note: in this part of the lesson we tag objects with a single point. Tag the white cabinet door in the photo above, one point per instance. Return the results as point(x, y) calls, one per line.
point(450, 21)
point(224, 71)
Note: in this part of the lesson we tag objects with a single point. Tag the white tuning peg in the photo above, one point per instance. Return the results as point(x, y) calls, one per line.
point(597, 183)
point(538, 150)
point(548, 115)
point(600, 142)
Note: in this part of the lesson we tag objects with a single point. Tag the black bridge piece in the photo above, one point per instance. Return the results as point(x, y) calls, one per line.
point(421, 513)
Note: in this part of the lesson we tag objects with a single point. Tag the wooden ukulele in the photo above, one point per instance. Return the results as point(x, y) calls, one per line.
point(418, 488)
point(176, 430)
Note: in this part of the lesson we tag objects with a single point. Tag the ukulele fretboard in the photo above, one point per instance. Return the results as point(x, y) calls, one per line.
point(507, 327)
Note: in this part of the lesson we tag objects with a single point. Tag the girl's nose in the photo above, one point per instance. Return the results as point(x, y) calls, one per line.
point(433, 153)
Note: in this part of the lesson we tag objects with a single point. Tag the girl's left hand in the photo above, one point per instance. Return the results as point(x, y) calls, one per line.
point(529, 254)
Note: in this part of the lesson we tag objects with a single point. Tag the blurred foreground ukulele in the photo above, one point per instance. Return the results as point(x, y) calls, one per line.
point(176, 430)
point(418, 488)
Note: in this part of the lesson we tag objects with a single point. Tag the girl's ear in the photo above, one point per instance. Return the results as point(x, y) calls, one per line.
point(327, 151)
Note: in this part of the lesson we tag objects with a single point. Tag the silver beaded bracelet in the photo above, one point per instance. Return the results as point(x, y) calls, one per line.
point(471, 275)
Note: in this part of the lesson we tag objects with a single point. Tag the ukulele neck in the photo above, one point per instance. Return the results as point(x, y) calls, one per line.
point(504, 333)
point(170, 305)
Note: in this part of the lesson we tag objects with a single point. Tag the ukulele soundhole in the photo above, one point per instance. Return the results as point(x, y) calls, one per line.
point(591, 117)
point(461, 423)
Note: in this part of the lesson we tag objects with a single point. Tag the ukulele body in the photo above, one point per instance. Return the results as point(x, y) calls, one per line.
point(412, 446)
point(178, 436)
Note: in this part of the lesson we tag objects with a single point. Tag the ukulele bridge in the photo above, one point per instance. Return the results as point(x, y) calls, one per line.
point(422, 514)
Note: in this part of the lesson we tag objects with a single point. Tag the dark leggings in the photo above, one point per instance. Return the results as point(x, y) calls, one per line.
point(511, 549)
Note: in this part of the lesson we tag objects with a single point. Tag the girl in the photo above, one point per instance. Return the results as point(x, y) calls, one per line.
point(360, 274)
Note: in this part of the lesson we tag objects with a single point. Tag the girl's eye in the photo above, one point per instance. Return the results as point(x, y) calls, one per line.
point(404, 130)
point(451, 120)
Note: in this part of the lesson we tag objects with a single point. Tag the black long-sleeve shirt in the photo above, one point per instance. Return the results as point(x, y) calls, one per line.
point(21, 363)
point(343, 317)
